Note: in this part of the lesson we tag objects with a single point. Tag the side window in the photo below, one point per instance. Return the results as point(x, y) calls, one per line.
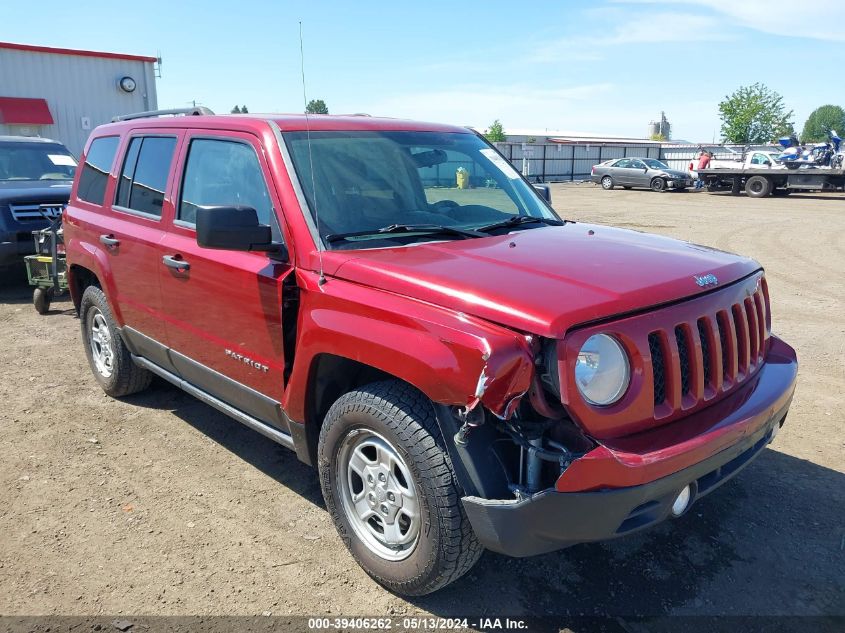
point(760, 159)
point(224, 173)
point(95, 172)
point(625, 162)
point(143, 178)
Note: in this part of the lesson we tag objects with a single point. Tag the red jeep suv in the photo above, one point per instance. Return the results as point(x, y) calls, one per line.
point(394, 302)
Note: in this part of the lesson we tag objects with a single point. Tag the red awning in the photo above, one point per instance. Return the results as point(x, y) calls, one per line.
point(25, 111)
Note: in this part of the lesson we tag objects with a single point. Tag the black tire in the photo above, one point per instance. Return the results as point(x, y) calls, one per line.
point(125, 377)
point(607, 183)
point(658, 184)
point(446, 547)
point(41, 299)
point(758, 187)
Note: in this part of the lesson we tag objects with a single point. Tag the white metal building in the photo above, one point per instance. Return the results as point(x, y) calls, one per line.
point(63, 94)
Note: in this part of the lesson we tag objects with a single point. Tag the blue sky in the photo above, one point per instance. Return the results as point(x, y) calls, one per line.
point(603, 66)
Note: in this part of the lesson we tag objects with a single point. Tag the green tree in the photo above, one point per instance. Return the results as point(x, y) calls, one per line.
point(235, 110)
point(316, 106)
point(754, 114)
point(658, 137)
point(821, 120)
point(244, 110)
point(496, 133)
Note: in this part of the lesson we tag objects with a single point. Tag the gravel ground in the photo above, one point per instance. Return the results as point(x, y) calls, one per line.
point(160, 505)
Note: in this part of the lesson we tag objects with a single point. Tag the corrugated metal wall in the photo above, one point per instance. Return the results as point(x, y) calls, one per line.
point(554, 162)
point(76, 87)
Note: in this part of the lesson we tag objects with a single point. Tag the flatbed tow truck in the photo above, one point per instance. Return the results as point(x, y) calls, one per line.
point(759, 182)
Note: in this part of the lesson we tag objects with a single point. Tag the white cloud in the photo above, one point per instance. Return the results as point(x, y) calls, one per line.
point(653, 28)
point(818, 19)
point(516, 105)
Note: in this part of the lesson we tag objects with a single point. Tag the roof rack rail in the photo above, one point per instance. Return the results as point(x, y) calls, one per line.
point(197, 111)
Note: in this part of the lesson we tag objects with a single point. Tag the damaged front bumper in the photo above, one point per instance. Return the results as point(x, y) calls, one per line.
point(606, 507)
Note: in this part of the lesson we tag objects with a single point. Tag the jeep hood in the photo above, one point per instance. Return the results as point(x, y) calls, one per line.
point(546, 280)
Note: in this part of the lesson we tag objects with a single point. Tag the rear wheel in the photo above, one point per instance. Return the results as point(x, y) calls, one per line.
point(658, 184)
point(607, 183)
point(758, 187)
point(108, 357)
point(390, 488)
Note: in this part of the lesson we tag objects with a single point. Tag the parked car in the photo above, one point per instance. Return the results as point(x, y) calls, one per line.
point(35, 179)
point(464, 367)
point(649, 173)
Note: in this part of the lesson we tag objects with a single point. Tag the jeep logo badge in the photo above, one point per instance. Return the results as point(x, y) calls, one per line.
point(705, 280)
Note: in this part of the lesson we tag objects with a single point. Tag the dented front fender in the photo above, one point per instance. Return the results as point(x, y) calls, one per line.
point(454, 358)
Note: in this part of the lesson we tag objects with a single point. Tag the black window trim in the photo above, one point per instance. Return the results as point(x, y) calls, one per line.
point(190, 138)
point(135, 212)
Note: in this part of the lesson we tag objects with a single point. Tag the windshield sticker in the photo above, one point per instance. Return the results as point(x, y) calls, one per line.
point(62, 159)
point(504, 166)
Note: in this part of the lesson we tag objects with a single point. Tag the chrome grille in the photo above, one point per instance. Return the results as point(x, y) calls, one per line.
point(30, 212)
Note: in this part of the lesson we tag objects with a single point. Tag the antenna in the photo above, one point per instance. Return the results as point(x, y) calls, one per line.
point(322, 279)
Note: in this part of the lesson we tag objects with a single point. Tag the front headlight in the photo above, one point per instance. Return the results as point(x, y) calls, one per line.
point(602, 370)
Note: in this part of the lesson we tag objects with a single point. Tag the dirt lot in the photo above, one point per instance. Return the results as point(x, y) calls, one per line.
point(159, 504)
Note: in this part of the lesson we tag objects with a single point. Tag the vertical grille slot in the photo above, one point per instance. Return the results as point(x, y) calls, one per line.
point(684, 354)
point(760, 310)
point(727, 339)
point(658, 368)
point(707, 358)
point(742, 342)
point(753, 330)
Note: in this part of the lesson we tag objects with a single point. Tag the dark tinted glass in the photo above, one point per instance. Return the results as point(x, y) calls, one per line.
point(223, 173)
point(95, 171)
point(35, 161)
point(150, 178)
point(124, 186)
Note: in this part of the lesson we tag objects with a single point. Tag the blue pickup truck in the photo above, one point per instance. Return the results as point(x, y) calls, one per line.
point(36, 175)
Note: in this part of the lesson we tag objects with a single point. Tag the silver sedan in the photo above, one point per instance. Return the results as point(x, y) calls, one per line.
point(649, 173)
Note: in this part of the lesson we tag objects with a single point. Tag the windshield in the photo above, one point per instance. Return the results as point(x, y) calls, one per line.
point(655, 164)
point(371, 180)
point(35, 161)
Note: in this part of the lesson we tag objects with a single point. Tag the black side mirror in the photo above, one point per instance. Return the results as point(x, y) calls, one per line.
point(233, 229)
point(545, 192)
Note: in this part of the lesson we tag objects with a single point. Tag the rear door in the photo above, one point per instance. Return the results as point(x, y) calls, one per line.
point(131, 233)
point(224, 308)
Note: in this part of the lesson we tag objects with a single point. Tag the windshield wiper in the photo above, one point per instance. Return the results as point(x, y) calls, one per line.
point(516, 220)
point(430, 229)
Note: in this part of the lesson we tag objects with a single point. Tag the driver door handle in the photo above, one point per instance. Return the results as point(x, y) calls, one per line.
point(109, 240)
point(176, 263)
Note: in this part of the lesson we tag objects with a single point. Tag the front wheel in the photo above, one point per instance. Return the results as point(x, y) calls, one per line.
point(41, 299)
point(658, 184)
point(607, 183)
point(390, 488)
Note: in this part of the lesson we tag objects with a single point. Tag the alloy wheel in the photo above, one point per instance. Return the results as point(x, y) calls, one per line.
point(378, 494)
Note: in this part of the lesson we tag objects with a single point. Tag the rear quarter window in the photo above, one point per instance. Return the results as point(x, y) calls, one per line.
point(95, 172)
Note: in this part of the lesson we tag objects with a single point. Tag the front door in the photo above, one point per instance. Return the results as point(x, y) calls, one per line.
point(224, 308)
